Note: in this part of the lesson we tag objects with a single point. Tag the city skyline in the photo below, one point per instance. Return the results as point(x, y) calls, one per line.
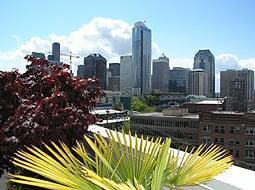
point(178, 33)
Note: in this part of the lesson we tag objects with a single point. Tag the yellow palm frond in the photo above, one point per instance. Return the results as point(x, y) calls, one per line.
point(200, 165)
point(61, 170)
point(120, 162)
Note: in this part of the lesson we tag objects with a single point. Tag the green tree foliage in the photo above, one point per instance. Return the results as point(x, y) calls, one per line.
point(140, 105)
point(117, 105)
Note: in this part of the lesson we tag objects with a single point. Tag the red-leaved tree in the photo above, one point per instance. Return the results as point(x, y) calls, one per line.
point(44, 104)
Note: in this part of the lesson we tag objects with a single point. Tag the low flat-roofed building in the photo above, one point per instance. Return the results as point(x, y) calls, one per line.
point(205, 105)
point(182, 128)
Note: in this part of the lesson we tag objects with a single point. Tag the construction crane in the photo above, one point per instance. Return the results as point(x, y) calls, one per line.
point(70, 55)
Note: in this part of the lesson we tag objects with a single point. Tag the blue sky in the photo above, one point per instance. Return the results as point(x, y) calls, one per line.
point(179, 28)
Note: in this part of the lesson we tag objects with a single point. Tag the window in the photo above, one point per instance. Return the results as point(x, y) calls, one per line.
point(231, 151)
point(216, 129)
point(250, 142)
point(237, 129)
point(207, 139)
point(221, 140)
point(237, 142)
point(237, 153)
point(222, 129)
point(231, 130)
point(231, 142)
point(250, 153)
point(250, 130)
point(216, 140)
point(205, 127)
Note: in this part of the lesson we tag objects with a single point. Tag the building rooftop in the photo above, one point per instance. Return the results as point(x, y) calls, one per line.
point(107, 111)
point(214, 101)
point(228, 112)
point(159, 114)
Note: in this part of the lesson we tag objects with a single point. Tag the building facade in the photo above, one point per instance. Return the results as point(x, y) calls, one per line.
point(238, 87)
point(178, 124)
point(141, 54)
point(94, 65)
point(126, 74)
point(198, 82)
point(113, 79)
point(205, 60)
point(179, 80)
point(160, 74)
point(232, 130)
point(114, 69)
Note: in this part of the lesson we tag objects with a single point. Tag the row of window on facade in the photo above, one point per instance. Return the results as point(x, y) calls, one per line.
point(221, 140)
point(169, 123)
point(174, 134)
point(237, 129)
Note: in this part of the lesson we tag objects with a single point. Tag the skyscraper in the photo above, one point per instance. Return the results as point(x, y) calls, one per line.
point(114, 69)
point(198, 82)
point(204, 59)
point(160, 74)
point(126, 74)
point(56, 51)
point(94, 65)
point(114, 78)
point(141, 52)
point(179, 80)
point(238, 87)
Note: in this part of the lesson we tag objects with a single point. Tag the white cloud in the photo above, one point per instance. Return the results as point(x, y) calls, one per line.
point(16, 38)
point(181, 62)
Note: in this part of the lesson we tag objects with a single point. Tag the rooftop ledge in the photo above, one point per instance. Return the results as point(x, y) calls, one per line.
point(235, 178)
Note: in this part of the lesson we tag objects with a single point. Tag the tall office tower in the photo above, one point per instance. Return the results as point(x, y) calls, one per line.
point(204, 59)
point(114, 78)
point(160, 74)
point(198, 82)
point(179, 80)
point(238, 87)
point(56, 51)
point(94, 65)
point(126, 74)
point(114, 69)
point(141, 52)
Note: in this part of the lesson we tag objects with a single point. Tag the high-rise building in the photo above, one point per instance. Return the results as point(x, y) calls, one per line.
point(238, 87)
point(80, 71)
point(38, 55)
point(179, 80)
point(160, 74)
point(141, 52)
point(114, 77)
point(126, 74)
point(56, 51)
point(204, 59)
point(94, 65)
point(198, 82)
point(114, 69)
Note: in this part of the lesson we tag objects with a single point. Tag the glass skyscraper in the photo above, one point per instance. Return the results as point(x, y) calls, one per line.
point(204, 59)
point(141, 52)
